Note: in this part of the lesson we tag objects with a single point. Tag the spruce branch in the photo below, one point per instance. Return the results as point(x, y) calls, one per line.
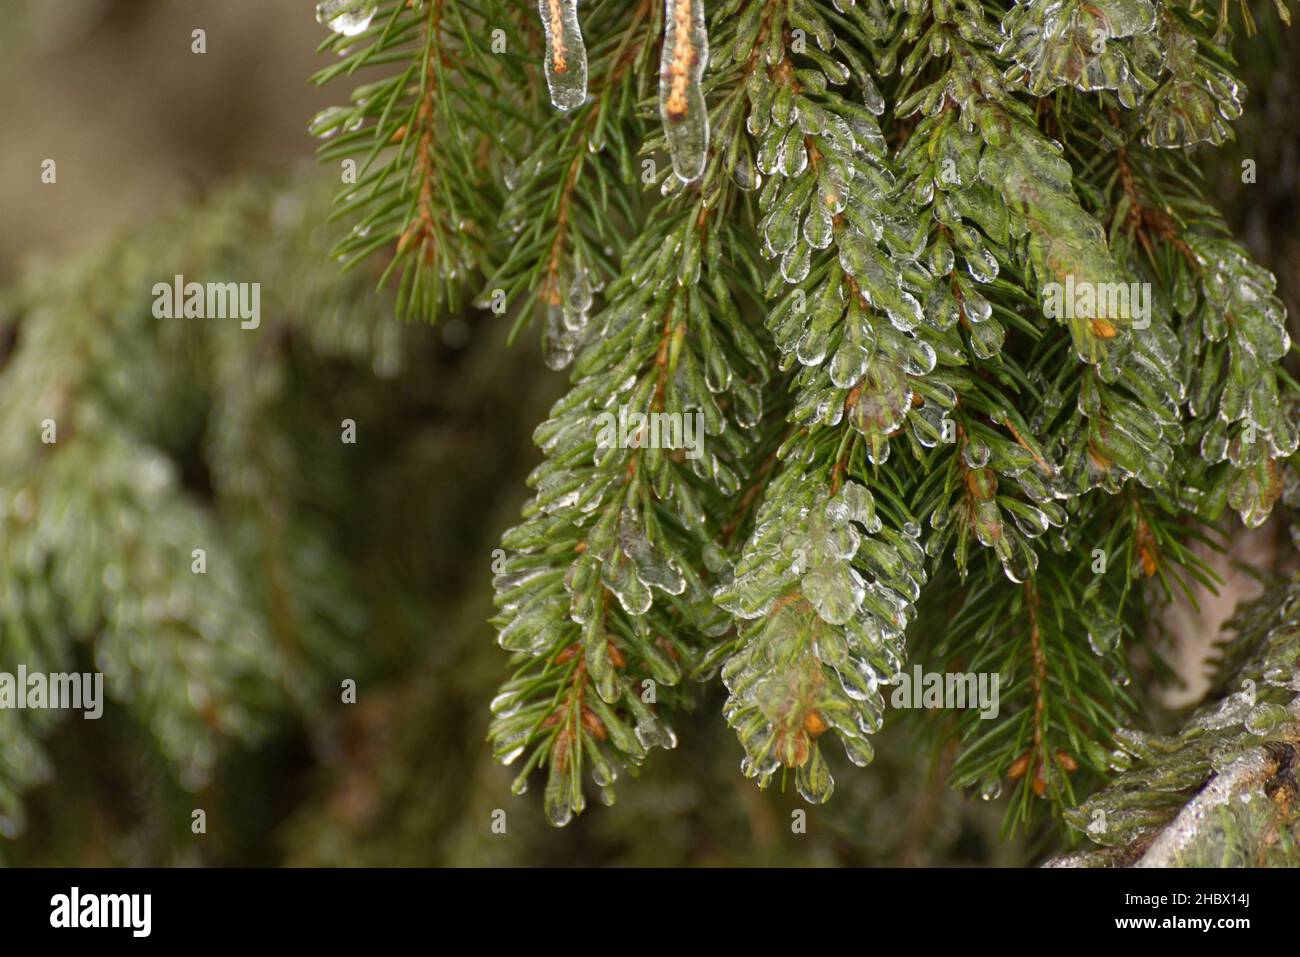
point(1222, 791)
point(416, 187)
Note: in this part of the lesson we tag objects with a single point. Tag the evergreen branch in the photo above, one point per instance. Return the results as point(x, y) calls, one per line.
point(418, 189)
point(1222, 791)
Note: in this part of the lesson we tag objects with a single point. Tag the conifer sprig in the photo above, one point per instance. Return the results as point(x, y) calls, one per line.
point(415, 188)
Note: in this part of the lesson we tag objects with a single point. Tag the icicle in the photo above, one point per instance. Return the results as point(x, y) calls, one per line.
point(681, 98)
point(566, 54)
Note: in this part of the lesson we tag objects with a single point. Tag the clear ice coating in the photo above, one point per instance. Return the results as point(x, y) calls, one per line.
point(348, 17)
point(825, 589)
point(681, 97)
point(566, 54)
point(1204, 796)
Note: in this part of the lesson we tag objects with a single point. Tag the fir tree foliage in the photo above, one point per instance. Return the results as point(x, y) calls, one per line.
point(417, 187)
point(171, 437)
point(837, 232)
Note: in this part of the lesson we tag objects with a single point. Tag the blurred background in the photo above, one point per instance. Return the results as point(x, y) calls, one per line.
point(368, 562)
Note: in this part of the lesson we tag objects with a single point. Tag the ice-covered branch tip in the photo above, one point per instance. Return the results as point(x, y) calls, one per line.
point(681, 99)
point(681, 71)
point(566, 54)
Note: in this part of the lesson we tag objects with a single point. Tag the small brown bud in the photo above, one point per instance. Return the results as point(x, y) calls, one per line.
point(1099, 461)
point(616, 656)
point(1104, 328)
point(593, 724)
point(1018, 767)
point(1040, 783)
